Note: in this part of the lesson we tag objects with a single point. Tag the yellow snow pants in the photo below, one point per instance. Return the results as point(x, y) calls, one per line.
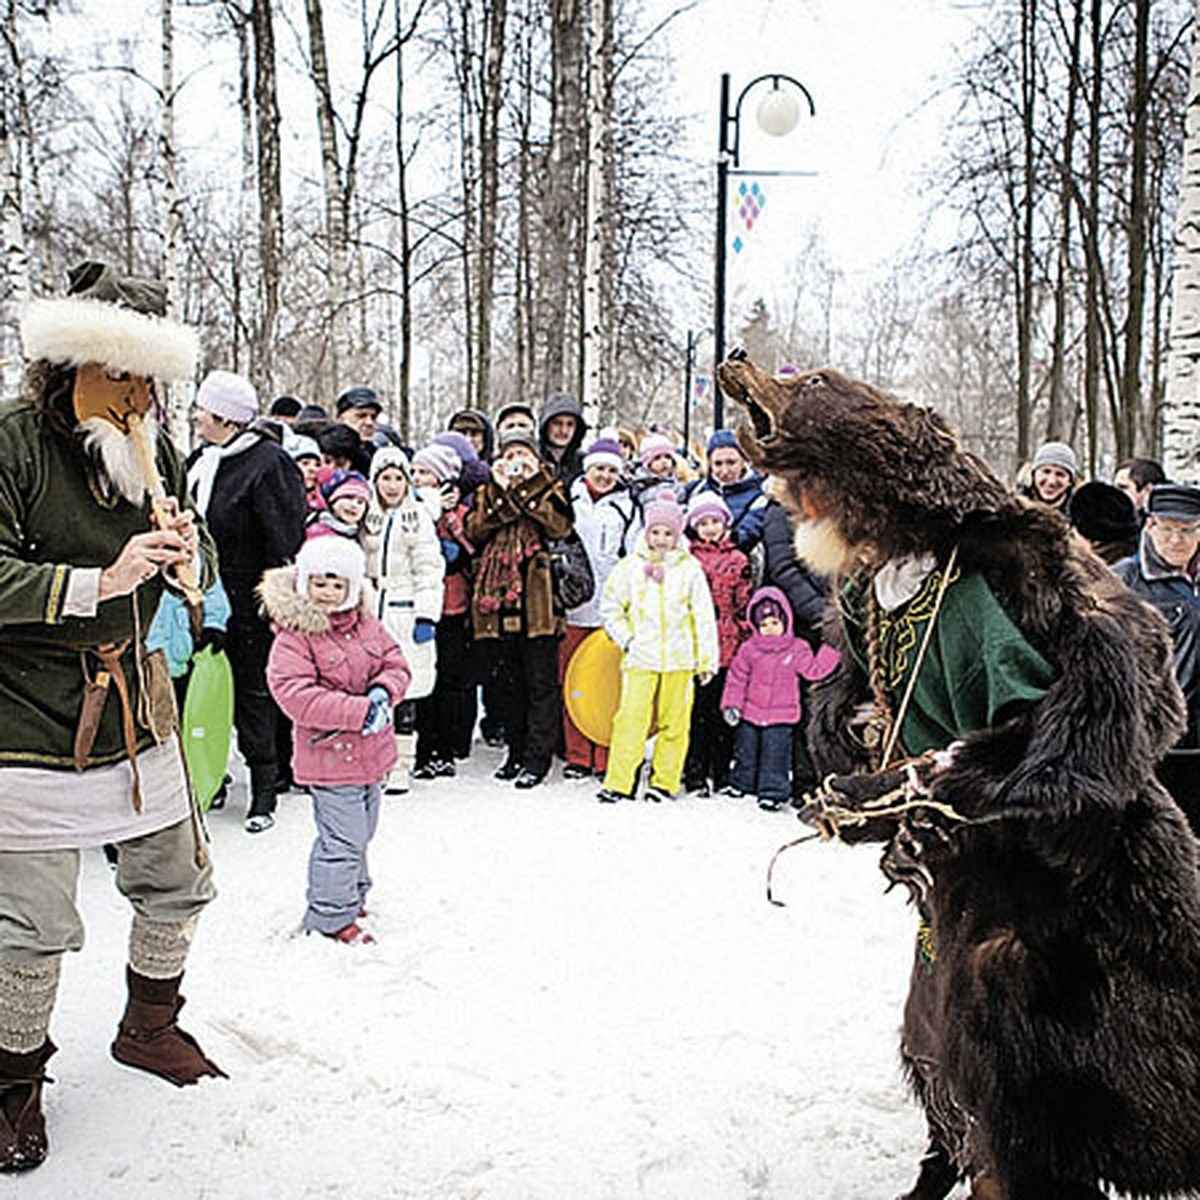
point(640, 690)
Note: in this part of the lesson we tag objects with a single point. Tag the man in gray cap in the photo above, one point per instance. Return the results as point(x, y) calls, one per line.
point(1053, 475)
point(1164, 572)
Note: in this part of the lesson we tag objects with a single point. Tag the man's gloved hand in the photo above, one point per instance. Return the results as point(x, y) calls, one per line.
point(379, 715)
point(212, 637)
point(732, 715)
point(424, 630)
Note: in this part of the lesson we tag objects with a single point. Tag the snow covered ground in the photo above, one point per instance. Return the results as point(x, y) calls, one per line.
point(567, 1000)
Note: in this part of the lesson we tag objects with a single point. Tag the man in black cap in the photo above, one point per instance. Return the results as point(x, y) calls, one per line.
point(359, 407)
point(1164, 572)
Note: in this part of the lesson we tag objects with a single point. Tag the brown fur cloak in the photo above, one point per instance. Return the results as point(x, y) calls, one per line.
point(1055, 1044)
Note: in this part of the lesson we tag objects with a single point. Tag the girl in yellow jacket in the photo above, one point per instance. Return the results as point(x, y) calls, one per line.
point(658, 609)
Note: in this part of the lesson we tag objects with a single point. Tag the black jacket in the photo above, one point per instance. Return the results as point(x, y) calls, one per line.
point(806, 590)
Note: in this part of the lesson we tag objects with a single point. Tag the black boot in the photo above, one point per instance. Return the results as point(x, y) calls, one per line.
point(22, 1127)
point(148, 1037)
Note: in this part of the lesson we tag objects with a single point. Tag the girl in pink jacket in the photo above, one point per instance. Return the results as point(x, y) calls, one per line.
point(337, 673)
point(762, 698)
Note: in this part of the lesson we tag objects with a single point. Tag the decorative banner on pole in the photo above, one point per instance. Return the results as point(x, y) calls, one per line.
point(748, 202)
point(700, 389)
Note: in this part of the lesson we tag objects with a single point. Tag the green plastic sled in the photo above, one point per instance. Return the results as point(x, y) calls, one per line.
point(208, 723)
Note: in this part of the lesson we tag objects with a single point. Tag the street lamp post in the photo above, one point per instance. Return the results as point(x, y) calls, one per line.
point(694, 338)
point(777, 115)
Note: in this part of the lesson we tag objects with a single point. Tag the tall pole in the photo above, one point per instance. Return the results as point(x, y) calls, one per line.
point(722, 237)
point(687, 388)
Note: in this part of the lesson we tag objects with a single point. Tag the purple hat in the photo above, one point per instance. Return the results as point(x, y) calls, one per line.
point(765, 607)
point(605, 452)
point(655, 445)
point(664, 511)
point(707, 504)
point(458, 442)
point(440, 460)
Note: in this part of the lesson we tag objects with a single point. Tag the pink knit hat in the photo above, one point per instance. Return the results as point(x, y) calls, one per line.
point(444, 464)
point(664, 511)
point(655, 445)
point(707, 504)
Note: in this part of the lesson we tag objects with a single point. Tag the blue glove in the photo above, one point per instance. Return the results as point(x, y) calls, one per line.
point(732, 715)
point(379, 715)
point(424, 630)
point(450, 550)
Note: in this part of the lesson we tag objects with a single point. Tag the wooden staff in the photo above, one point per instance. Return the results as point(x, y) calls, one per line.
point(185, 577)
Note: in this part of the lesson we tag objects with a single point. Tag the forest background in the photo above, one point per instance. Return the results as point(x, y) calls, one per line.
point(461, 203)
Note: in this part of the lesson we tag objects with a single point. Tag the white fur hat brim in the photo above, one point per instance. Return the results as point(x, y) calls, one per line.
point(331, 554)
point(76, 331)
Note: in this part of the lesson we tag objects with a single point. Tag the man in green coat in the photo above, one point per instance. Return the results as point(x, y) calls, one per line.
point(89, 745)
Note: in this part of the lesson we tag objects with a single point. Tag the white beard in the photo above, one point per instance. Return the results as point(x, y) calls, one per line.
point(819, 542)
point(117, 454)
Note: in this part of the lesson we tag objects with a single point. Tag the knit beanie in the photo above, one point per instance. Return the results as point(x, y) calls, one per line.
point(440, 461)
point(339, 484)
point(299, 446)
point(519, 437)
point(332, 555)
point(1103, 513)
point(603, 452)
point(458, 442)
point(228, 396)
point(664, 511)
point(707, 504)
point(1056, 454)
point(655, 445)
point(723, 438)
point(766, 607)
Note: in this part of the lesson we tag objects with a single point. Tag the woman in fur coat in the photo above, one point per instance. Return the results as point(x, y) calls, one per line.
point(406, 568)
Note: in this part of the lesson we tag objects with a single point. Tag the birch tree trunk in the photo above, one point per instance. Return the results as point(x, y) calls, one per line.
point(1023, 259)
point(1181, 428)
point(404, 252)
point(336, 215)
point(12, 225)
point(599, 113)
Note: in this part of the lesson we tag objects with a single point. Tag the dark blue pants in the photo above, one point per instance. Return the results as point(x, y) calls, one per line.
point(762, 761)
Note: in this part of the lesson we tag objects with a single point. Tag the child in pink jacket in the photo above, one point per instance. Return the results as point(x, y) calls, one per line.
point(337, 673)
point(762, 698)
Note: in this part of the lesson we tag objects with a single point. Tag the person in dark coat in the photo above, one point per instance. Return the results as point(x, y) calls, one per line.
point(477, 429)
point(732, 477)
point(807, 596)
point(561, 430)
point(252, 495)
point(359, 407)
point(1105, 516)
point(1165, 573)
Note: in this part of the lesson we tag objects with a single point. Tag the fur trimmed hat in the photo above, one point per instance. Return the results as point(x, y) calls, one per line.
point(115, 320)
point(340, 483)
point(332, 555)
point(440, 461)
point(664, 511)
point(707, 504)
point(655, 445)
point(1056, 454)
point(228, 396)
point(604, 452)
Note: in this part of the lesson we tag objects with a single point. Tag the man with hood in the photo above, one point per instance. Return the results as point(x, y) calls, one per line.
point(89, 743)
point(477, 429)
point(561, 430)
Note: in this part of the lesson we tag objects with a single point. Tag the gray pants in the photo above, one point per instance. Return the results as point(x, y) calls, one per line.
point(39, 920)
point(338, 879)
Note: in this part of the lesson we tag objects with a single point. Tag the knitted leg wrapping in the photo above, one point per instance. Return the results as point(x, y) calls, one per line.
point(27, 994)
point(158, 949)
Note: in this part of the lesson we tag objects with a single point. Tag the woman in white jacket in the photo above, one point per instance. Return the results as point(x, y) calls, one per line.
point(658, 609)
point(605, 520)
point(405, 565)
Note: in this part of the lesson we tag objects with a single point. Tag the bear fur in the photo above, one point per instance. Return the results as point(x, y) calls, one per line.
point(1054, 1042)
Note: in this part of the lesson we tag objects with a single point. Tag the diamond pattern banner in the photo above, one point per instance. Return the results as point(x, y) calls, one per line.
point(748, 203)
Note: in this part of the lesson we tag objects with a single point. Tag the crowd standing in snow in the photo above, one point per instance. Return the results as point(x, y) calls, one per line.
point(378, 603)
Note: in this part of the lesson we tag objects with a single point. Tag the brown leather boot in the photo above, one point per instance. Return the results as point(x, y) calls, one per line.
point(23, 1142)
point(149, 1039)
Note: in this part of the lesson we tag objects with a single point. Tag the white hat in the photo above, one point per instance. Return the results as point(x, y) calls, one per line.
point(229, 396)
point(332, 554)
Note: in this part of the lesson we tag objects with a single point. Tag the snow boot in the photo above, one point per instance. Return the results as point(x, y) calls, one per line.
point(23, 1142)
point(149, 1039)
point(398, 778)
